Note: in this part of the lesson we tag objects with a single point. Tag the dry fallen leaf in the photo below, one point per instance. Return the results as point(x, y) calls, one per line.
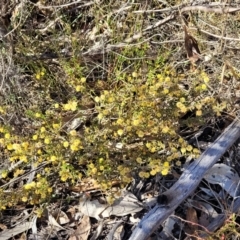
point(225, 176)
point(20, 228)
point(53, 223)
point(63, 218)
point(121, 207)
point(83, 229)
point(191, 217)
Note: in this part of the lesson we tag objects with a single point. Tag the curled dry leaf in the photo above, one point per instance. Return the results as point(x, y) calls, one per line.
point(53, 223)
point(83, 229)
point(9, 233)
point(225, 176)
point(121, 207)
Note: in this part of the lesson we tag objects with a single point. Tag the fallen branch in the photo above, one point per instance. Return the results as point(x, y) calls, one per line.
point(187, 183)
point(220, 10)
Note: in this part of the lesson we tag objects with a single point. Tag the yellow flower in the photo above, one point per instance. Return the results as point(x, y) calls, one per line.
point(120, 132)
point(83, 79)
point(38, 76)
point(110, 99)
point(166, 164)
point(10, 146)
point(139, 160)
point(167, 79)
point(27, 186)
point(56, 105)
point(102, 97)
point(24, 199)
point(165, 129)
point(23, 158)
point(74, 148)
point(179, 104)
point(78, 88)
point(76, 142)
point(204, 86)
point(32, 184)
point(64, 178)
point(148, 145)
point(13, 158)
point(66, 106)
point(7, 135)
point(37, 115)
point(73, 133)
point(136, 122)
point(205, 77)
point(4, 174)
point(16, 146)
point(71, 105)
point(100, 160)
point(181, 140)
point(182, 99)
point(100, 116)
point(189, 148)
point(91, 165)
point(153, 149)
point(66, 144)
point(140, 133)
point(43, 129)
point(196, 151)
point(97, 99)
point(134, 74)
point(25, 145)
point(39, 212)
point(56, 126)
point(35, 137)
point(94, 171)
point(153, 172)
point(146, 175)
point(53, 158)
point(120, 121)
point(183, 150)
point(165, 91)
point(183, 109)
point(199, 113)
point(2, 110)
point(46, 140)
point(164, 171)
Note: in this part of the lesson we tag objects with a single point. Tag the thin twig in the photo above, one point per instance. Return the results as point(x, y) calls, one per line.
point(24, 175)
point(220, 37)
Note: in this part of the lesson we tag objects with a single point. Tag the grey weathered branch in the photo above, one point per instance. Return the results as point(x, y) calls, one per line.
point(220, 10)
point(187, 183)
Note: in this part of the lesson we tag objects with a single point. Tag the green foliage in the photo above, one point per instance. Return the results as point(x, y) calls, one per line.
point(133, 124)
point(229, 230)
point(109, 125)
